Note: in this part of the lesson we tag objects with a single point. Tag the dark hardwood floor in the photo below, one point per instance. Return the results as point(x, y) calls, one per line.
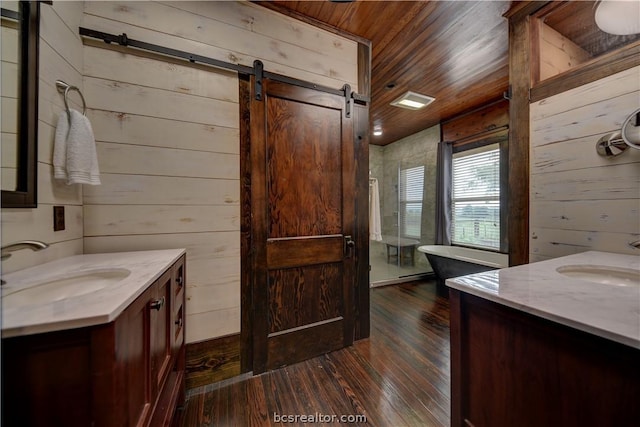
point(397, 377)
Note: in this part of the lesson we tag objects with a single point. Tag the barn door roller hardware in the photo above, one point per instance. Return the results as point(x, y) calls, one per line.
point(260, 74)
point(257, 70)
point(348, 100)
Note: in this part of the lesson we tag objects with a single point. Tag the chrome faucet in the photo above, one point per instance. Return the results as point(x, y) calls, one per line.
point(34, 245)
point(635, 244)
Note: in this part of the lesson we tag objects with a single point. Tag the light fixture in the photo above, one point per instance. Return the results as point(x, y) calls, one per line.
point(618, 17)
point(377, 132)
point(413, 101)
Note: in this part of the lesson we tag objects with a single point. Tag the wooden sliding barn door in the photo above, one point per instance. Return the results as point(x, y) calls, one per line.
point(303, 209)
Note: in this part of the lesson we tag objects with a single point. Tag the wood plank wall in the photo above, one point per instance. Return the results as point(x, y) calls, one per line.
point(60, 58)
point(168, 138)
point(579, 200)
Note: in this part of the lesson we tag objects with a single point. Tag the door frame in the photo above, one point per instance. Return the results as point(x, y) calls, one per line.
point(360, 292)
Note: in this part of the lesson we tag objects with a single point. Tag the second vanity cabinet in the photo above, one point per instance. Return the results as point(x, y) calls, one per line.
point(509, 368)
point(129, 372)
point(549, 343)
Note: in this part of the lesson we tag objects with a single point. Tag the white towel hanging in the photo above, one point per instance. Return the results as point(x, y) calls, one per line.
point(74, 152)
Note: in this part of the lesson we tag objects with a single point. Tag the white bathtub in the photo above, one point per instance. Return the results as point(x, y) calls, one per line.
point(454, 261)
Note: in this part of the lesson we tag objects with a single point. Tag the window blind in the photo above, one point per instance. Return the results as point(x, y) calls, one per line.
point(476, 198)
point(410, 192)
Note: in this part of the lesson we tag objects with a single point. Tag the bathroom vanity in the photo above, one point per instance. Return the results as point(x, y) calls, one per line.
point(95, 340)
point(553, 343)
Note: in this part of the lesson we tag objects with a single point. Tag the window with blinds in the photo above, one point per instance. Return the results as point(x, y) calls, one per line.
point(410, 191)
point(475, 214)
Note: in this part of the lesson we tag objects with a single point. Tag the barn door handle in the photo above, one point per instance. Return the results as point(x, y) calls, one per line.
point(349, 245)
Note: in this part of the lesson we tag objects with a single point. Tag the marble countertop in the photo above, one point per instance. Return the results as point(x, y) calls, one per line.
point(93, 308)
point(608, 311)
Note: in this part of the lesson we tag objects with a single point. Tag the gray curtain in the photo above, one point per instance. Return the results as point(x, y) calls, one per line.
point(443, 194)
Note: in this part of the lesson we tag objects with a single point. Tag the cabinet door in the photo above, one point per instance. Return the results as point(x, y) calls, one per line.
point(160, 321)
point(133, 358)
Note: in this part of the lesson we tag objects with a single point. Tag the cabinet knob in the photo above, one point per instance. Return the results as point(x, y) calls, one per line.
point(179, 322)
point(157, 304)
point(179, 280)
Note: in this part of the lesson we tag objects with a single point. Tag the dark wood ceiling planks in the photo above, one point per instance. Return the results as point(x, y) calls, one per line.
point(455, 51)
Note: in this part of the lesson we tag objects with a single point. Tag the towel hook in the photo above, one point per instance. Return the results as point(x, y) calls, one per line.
point(64, 87)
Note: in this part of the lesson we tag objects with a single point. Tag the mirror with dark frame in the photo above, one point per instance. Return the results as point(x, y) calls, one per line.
point(19, 122)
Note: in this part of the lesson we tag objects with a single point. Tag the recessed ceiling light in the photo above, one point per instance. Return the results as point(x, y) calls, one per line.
point(413, 101)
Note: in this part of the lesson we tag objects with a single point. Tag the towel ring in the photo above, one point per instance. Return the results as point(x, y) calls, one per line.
point(65, 88)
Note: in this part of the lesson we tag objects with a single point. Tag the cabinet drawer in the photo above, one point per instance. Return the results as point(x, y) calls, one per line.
point(178, 309)
point(179, 279)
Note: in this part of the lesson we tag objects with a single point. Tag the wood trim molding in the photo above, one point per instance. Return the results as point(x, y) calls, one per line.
point(213, 360)
point(590, 71)
point(534, 67)
point(518, 164)
point(361, 293)
point(477, 123)
point(364, 69)
point(246, 275)
point(480, 139)
point(522, 9)
point(26, 193)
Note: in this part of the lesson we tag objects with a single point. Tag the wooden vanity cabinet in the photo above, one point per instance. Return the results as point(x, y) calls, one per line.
point(126, 373)
point(510, 368)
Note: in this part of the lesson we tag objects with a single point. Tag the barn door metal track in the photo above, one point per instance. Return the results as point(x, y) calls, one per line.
point(257, 70)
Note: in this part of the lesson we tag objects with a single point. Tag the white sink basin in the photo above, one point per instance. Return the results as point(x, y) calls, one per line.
point(64, 287)
point(602, 274)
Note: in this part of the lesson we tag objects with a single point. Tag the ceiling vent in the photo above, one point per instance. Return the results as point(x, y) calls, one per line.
point(413, 101)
